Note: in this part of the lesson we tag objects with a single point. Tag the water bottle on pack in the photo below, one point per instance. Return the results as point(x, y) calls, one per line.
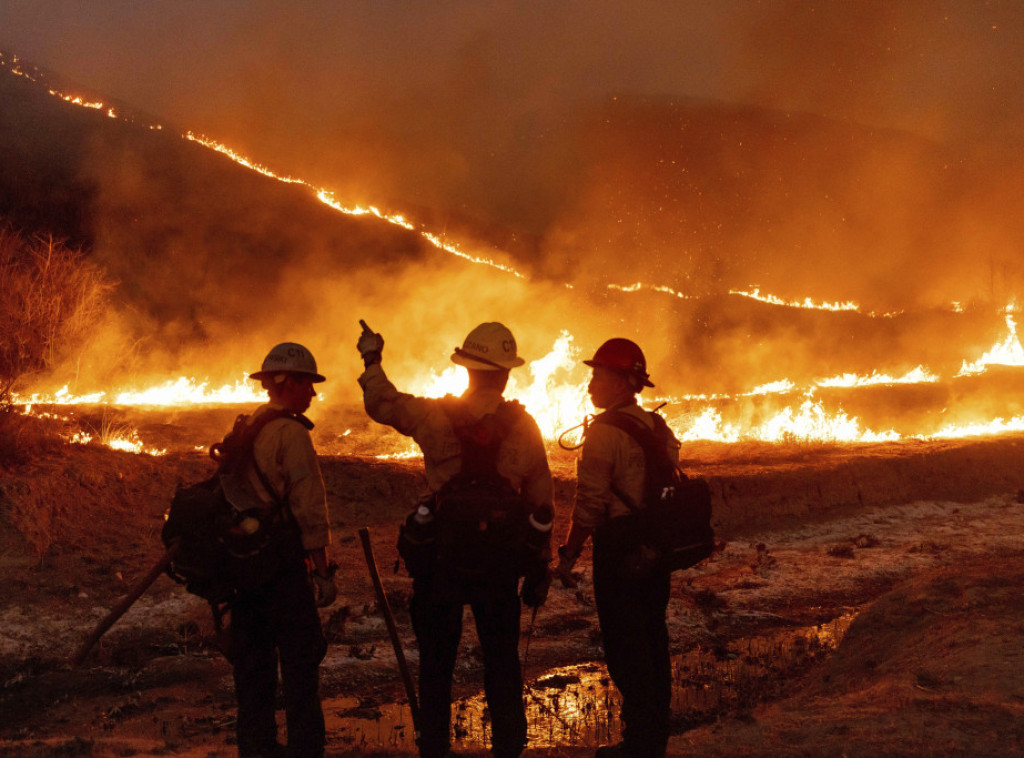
point(417, 541)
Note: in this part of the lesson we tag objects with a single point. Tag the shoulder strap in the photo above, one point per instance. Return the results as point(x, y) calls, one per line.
point(651, 441)
point(634, 427)
point(481, 438)
point(239, 443)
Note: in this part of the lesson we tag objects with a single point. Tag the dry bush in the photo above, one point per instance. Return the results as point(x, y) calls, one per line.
point(52, 298)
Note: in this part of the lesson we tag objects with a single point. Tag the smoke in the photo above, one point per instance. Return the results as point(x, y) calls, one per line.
point(942, 70)
point(859, 150)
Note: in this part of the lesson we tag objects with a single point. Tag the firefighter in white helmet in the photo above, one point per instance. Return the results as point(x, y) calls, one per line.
point(460, 546)
point(274, 620)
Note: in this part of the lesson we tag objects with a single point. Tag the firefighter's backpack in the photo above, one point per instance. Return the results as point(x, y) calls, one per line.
point(671, 529)
point(481, 519)
point(221, 549)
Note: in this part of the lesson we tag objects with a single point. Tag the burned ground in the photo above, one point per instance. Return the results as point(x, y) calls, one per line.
point(918, 549)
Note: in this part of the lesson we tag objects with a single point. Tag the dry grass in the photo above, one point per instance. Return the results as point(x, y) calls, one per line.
point(52, 298)
point(26, 438)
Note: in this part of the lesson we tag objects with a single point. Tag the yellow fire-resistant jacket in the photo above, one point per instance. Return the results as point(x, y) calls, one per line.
point(284, 452)
point(521, 459)
point(610, 457)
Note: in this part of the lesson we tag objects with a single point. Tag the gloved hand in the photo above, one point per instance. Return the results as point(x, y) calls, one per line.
point(563, 571)
point(370, 345)
point(536, 584)
point(324, 589)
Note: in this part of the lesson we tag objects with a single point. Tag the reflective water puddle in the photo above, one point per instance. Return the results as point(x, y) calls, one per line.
point(578, 705)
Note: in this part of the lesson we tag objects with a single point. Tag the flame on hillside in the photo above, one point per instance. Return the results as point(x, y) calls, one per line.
point(640, 286)
point(173, 392)
point(809, 303)
point(553, 388)
point(755, 294)
point(919, 375)
point(810, 421)
point(1006, 353)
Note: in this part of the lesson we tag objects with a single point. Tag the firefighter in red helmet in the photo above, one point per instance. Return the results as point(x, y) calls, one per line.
point(631, 609)
point(624, 358)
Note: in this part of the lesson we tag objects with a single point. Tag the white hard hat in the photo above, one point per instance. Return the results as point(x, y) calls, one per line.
point(288, 358)
point(489, 347)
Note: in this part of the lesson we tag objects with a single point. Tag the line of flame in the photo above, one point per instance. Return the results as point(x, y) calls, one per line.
point(808, 303)
point(1006, 353)
point(180, 391)
point(326, 197)
point(919, 375)
point(555, 394)
point(638, 286)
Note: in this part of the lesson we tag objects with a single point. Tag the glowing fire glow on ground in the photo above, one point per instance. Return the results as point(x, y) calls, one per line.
point(555, 392)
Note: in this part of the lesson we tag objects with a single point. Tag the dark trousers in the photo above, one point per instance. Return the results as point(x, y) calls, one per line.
point(635, 639)
point(436, 608)
point(278, 622)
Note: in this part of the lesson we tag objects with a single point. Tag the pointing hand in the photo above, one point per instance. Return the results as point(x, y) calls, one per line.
point(370, 345)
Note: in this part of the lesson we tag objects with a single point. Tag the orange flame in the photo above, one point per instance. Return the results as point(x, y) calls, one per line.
point(810, 422)
point(755, 294)
point(919, 375)
point(997, 426)
point(808, 303)
point(1006, 353)
point(180, 391)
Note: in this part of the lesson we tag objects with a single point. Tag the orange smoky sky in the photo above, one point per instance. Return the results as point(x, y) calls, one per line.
point(465, 104)
point(863, 150)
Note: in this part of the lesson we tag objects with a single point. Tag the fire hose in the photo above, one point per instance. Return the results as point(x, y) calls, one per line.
point(389, 620)
point(126, 602)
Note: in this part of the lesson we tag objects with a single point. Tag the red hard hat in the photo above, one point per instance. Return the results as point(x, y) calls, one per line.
point(622, 355)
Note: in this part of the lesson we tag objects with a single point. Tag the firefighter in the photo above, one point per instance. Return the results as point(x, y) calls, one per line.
point(440, 591)
point(274, 620)
point(630, 610)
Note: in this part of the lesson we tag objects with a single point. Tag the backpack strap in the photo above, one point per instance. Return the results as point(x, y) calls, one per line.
point(238, 446)
point(651, 442)
point(481, 438)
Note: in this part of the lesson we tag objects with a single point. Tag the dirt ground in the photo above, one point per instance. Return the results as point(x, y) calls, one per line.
point(891, 629)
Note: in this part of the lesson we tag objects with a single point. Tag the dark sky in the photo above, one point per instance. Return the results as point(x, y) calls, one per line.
point(273, 75)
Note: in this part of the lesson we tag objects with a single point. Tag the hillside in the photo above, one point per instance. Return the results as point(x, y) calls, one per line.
point(705, 196)
point(215, 261)
point(179, 226)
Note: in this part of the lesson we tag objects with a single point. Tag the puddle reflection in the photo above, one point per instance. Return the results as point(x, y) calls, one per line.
point(578, 706)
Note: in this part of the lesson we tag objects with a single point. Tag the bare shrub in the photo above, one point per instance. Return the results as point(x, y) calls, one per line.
point(52, 298)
